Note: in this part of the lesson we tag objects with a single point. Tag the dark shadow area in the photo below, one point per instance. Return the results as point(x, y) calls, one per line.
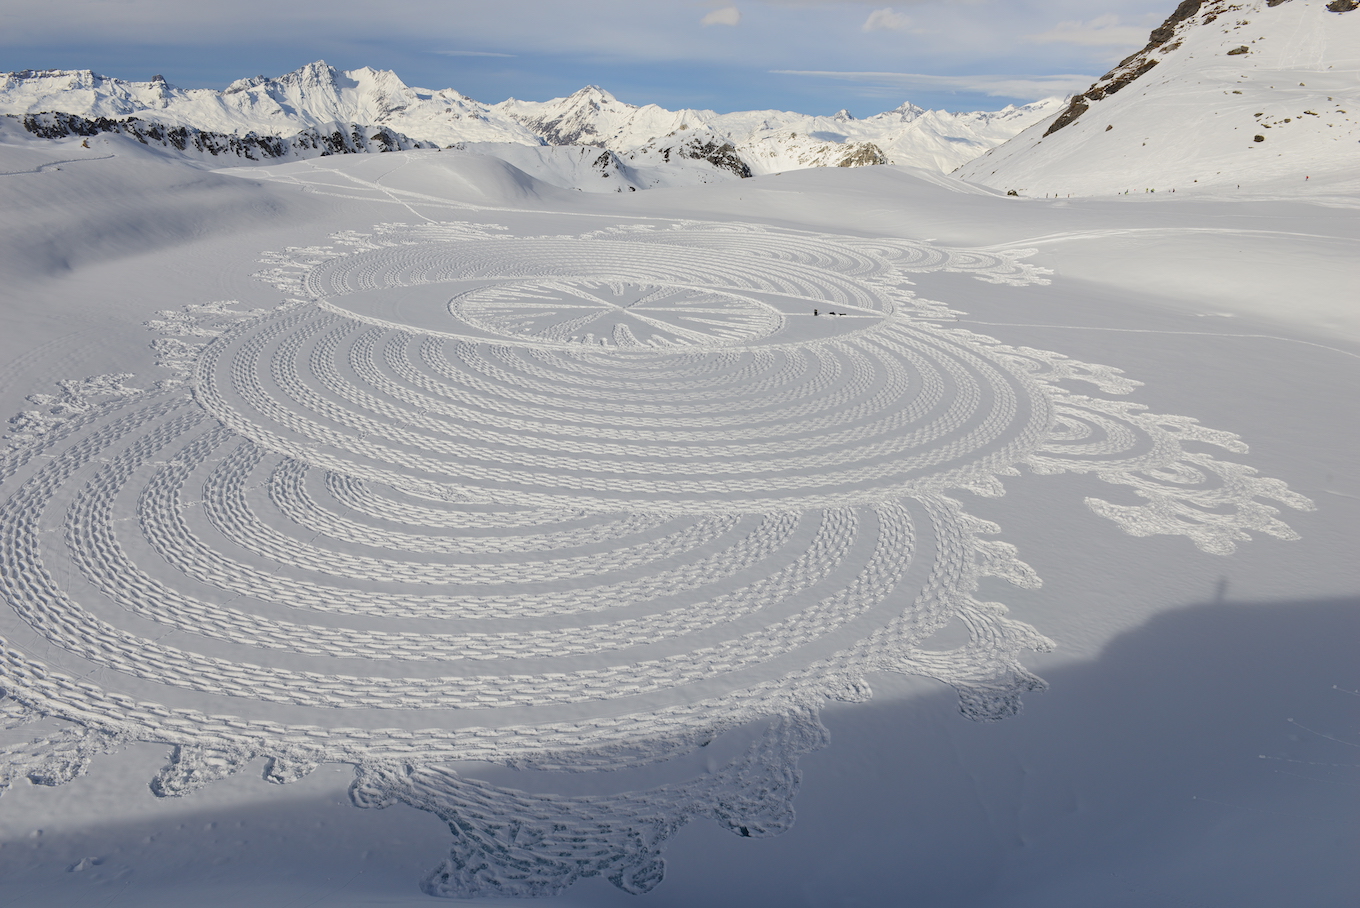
point(1208, 758)
point(1136, 780)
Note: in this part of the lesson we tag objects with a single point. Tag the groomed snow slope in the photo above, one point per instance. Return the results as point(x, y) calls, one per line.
point(1285, 109)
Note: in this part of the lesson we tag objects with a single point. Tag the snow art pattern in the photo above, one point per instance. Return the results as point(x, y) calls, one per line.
point(563, 503)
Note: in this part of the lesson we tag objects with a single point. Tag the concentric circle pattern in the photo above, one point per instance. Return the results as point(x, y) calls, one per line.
point(250, 577)
point(769, 380)
point(571, 503)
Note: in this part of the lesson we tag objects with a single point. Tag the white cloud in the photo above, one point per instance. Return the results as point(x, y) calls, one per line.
point(1101, 32)
point(885, 20)
point(997, 86)
point(728, 15)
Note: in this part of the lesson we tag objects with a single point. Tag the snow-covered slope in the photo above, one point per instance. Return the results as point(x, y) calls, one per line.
point(701, 145)
point(1225, 94)
point(593, 169)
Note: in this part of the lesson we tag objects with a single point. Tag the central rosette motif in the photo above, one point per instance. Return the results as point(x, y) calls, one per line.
point(617, 314)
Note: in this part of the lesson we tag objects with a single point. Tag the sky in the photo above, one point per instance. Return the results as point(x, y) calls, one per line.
point(813, 56)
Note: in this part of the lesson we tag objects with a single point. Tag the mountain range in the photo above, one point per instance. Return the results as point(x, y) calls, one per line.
point(642, 146)
point(1225, 93)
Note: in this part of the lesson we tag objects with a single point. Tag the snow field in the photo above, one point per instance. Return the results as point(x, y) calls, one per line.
point(483, 581)
point(569, 503)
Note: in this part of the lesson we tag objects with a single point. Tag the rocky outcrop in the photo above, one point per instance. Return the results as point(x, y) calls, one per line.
point(349, 139)
point(1129, 69)
point(862, 155)
point(722, 155)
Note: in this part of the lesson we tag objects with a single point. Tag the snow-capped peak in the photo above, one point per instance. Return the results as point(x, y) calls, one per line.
point(319, 96)
point(905, 113)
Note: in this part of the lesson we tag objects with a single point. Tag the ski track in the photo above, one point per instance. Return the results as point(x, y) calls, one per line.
point(39, 168)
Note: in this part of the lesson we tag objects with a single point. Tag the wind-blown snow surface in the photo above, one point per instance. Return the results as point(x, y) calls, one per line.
point(1260, 94)
point(415, 472)
point(668, 147)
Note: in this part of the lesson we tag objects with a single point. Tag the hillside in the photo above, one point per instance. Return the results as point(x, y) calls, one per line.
point(1227, 95)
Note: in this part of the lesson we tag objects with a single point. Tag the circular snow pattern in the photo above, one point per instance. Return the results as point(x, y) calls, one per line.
point(563, 502)
point(771, 379)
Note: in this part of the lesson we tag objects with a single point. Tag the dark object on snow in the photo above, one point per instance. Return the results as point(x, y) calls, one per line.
point(1343, 6)
point(1011, 192)
point(1259, 139)
point(1241, 49)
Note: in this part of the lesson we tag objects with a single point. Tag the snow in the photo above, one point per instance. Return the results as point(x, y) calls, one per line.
point(772, 141)
point(1191, 123)
point(318, 96)
point(355, 472)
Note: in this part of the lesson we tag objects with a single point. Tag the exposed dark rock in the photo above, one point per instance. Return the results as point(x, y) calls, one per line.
point(863, 154)
point(1076, 108)
point(1162, 33)
point(1343, 6)
point(722, 155)
point(1243, 49)
point(252, 147)
point(1132, 67)
point(1123, 80)
point(1258, 138)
